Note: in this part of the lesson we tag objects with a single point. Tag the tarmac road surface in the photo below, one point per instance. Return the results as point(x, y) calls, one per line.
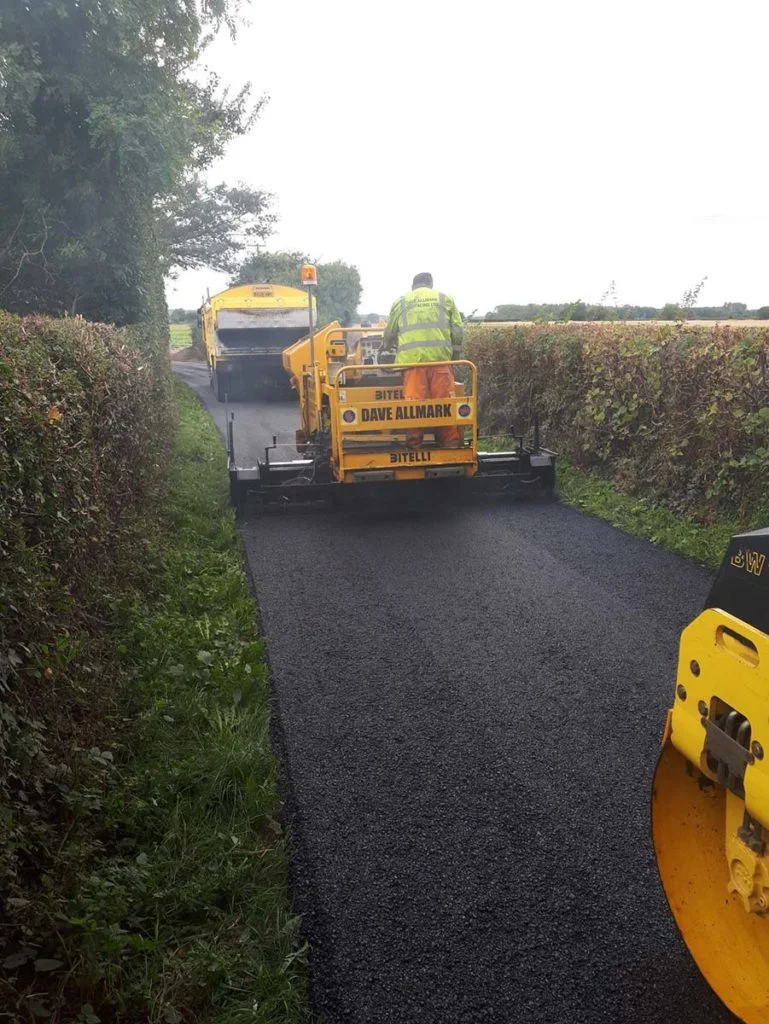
point(255, 422)
point(469, 704)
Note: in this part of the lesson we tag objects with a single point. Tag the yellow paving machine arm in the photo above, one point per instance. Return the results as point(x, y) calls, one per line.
point(710, 794)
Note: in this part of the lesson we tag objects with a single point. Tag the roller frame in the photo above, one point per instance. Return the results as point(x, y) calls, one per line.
point(710, 794)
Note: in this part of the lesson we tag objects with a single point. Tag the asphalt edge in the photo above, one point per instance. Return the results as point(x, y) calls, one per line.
point(324, 1005)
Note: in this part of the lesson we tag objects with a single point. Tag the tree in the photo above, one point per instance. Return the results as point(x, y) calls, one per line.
point(575, 311)
point(671, 311)
point(181, 316)
point(599, 313)
point(202, 226)
point(104, 137)
point(762, 313)
point(339, 287)
point(735, 310)
point(272, 268)
point(339, 291)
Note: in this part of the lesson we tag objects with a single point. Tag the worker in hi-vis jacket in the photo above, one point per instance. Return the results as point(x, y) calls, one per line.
point(425, 327)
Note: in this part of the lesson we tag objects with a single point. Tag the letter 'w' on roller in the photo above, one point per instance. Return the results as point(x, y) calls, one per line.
point(356, 420)
point(710, 794)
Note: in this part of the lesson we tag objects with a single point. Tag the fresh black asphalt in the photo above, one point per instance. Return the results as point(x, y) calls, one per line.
point(468, 707)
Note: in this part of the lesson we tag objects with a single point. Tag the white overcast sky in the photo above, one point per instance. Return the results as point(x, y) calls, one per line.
point(520, 150)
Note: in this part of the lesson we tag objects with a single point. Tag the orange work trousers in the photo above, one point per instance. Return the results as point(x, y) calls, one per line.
point(431, 382)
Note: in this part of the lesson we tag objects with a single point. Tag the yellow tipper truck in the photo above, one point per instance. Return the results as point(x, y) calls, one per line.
point(245, 331)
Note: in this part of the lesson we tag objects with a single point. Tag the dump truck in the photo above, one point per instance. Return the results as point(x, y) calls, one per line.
point(246, 329)
point(354, 419)
point(710, 793)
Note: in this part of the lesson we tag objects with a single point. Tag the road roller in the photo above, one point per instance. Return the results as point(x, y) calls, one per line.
point(710, 793)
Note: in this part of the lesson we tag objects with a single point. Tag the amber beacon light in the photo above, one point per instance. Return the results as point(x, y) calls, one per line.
point(309, 275)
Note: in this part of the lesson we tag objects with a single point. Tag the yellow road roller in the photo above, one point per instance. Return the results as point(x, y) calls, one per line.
point(710, 794)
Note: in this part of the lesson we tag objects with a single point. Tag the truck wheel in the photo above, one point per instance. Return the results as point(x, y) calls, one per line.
point(222, 386)
point(234, 493)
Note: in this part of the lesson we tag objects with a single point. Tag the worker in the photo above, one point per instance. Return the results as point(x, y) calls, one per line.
point(425, 327)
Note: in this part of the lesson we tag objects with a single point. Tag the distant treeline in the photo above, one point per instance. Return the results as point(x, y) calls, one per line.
point(567, 311)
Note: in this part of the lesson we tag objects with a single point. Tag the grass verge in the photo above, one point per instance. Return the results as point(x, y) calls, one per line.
point(212, 935)
point(641, 517)
point(174, 906)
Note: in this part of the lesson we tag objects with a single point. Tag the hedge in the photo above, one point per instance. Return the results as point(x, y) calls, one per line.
point(675, 413)
point(84, 442)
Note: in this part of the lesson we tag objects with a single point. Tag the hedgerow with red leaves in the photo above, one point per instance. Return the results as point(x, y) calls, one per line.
point(675, 413)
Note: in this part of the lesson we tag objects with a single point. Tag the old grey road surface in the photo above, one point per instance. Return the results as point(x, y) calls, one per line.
point(469, 705)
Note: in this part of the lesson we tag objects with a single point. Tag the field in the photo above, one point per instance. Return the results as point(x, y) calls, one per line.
point(181, 335)
point(647, 323)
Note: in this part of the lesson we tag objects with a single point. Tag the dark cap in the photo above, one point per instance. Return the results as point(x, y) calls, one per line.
point(422, 281)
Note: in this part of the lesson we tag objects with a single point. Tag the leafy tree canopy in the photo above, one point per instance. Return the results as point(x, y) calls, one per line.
point(182, 316)
point(671, 311)
point(209, 226)
point(104, 140)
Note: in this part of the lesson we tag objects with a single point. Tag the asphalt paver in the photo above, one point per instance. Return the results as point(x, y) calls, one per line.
point(468, 708)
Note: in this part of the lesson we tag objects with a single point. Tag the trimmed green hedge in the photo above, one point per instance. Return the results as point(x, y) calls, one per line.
point(676, 413)
point(85, 434)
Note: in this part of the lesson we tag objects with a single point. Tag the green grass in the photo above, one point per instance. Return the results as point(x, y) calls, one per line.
point(597, 496)
point(641, 517)
point(181, 335)
point(187, 916)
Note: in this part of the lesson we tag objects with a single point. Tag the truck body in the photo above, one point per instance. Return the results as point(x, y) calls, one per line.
point(245, 331)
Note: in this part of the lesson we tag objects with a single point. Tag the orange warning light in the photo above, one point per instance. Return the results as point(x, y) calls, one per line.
point(309, 275)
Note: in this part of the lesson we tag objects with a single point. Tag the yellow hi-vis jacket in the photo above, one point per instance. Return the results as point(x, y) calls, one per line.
point(426, 325)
